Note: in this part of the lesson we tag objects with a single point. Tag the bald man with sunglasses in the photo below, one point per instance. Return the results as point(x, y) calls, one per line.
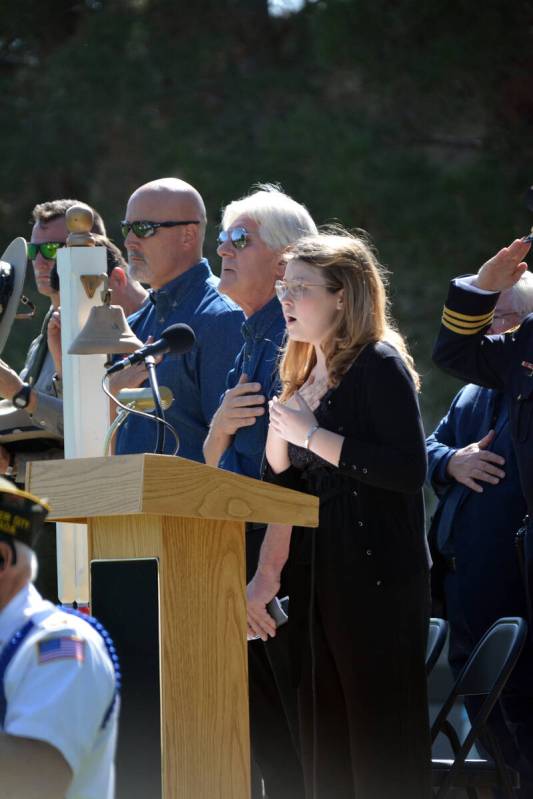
point(164, 233)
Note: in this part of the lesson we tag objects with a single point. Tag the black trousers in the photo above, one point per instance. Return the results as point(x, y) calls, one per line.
point(273, 713)
point(359, 658)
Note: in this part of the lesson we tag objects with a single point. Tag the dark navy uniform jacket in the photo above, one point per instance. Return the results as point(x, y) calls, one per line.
point(477, 529)
point(473, 412)
point(503, 362)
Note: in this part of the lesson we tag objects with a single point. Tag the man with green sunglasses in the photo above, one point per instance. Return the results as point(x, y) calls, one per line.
point(31, 400)
point(33, 390)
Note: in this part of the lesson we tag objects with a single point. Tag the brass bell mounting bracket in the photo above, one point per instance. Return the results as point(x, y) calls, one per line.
point(90, 284)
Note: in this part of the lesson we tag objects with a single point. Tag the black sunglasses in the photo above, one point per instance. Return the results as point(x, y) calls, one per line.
point(144, 229)
point(238, 236)
point(48, 249)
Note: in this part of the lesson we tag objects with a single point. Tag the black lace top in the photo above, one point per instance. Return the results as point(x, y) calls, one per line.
point(304, 459)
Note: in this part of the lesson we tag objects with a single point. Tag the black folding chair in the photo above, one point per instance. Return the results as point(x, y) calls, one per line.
point(485, 674)
point(438, 630)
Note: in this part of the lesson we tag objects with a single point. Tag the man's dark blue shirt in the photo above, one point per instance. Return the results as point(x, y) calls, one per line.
point(263, 334)
point(196, 378)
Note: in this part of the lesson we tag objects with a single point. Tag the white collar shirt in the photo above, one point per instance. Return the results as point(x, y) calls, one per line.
point(58, 687)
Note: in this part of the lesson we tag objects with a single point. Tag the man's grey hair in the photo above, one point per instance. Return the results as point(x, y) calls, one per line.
point(27, 559)
point(522, 294)
point(281, 220)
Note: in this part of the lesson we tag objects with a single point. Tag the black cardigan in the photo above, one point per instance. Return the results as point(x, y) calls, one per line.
point(381, 471)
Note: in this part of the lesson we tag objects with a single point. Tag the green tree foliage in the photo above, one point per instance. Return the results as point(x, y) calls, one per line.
point(410, 120)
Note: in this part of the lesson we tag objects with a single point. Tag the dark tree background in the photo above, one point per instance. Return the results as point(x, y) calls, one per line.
point(412, 120)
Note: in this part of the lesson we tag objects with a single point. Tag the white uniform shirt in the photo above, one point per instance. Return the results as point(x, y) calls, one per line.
point(59, 692)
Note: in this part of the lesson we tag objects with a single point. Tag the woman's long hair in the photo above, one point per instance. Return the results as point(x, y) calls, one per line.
point(347, 261)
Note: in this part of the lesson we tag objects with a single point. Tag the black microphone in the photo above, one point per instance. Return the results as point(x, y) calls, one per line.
point(178, 338)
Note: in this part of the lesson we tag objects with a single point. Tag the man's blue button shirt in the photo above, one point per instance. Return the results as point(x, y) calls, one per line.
point(263, 334)
point(196, 378)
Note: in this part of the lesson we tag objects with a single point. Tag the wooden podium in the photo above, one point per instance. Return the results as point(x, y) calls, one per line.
point(190, 517)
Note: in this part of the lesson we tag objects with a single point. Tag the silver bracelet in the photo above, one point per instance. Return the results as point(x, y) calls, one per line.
point(310, 433)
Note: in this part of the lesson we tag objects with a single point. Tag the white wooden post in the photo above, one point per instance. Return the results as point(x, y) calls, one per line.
point(85, 406)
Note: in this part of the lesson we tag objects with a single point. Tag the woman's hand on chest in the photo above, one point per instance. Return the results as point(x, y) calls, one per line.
point(292, 420)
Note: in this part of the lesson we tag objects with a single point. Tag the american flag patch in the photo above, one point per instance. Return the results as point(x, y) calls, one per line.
point(65, 648)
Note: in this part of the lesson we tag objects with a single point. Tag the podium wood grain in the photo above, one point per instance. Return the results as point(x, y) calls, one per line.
point(203, 663)
point(83, 487)
point(191, 518)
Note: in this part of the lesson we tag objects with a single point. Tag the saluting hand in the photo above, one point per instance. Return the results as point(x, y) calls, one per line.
point(476, 462)
point(292, 423)
point(505, 268)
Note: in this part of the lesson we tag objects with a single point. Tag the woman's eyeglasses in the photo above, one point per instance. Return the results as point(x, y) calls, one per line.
point(48, 249)
point(238, 236)
point(144, 229)
point(293, 288)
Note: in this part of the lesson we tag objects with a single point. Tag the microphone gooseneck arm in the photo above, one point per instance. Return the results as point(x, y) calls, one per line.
point(159, 415)
point(143, 414)
point(178, 339)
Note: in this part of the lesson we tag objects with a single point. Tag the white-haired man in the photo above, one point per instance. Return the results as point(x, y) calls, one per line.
point(474, 472)
point(59, 677)
point(255, 232)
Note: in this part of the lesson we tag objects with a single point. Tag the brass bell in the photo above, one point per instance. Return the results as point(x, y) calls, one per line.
point(106, 330)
